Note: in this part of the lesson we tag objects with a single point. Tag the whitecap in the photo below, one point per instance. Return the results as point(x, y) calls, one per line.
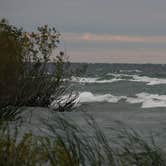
point(149, 100)
point(148, 80)
point(93, 80)
point(137, 78)
point(84, 79)
point(151, 103)
point(117, 75)
point(130, 71)
point(86, 97)
point(133, 100)
point(145, 99)
point(120, 77)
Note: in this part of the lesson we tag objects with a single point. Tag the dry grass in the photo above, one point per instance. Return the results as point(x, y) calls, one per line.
point(67, 144)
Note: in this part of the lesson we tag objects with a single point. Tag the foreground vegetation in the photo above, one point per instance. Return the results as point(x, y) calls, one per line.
point(68, 144)
point(25, 79)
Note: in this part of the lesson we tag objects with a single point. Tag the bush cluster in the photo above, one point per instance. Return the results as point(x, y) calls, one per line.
point(24, 58)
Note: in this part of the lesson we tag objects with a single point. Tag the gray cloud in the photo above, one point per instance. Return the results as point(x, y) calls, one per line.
point(116, 17)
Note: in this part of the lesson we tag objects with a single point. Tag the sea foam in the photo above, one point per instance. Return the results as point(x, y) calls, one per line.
point(121, 77)
point(148, 100)
point(148, 80)
point(145, 99)
point(93, 80)
point(90, 97)
point(137, 78)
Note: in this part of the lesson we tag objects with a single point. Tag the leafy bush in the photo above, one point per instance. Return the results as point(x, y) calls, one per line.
point(24, 58)
point(11, 58)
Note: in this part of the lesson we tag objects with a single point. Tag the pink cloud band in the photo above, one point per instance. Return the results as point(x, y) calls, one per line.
point(113, 38)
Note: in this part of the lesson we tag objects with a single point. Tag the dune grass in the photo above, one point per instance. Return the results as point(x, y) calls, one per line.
point(69, 144)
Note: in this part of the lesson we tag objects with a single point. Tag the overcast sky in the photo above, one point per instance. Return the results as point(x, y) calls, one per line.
point(132, 31)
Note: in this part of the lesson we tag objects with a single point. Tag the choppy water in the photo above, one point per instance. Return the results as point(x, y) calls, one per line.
point(143, 86)
point(132, 94)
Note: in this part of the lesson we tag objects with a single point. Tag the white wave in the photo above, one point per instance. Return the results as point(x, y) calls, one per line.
point(130, 71)
point(84, 79)
point(148, 80)
point(118, 77)
point(145, 99)
point(86, 97)
point(133, 100)
point(148, 100)
point(93, 80)
point(137, 78)
point(151, 103)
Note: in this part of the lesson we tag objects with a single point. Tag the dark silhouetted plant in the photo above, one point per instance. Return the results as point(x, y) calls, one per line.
point(24, 61)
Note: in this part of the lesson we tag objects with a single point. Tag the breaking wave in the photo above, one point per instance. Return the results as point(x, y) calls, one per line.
point(148, 80)
point(130, 71)
point(145, 99)
point(148, 100)
point(86, 97)
point(121, 77)
point(93, 80)
point(137, 78)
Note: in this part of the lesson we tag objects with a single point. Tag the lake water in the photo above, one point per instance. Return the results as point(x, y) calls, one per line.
point(129, 93)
